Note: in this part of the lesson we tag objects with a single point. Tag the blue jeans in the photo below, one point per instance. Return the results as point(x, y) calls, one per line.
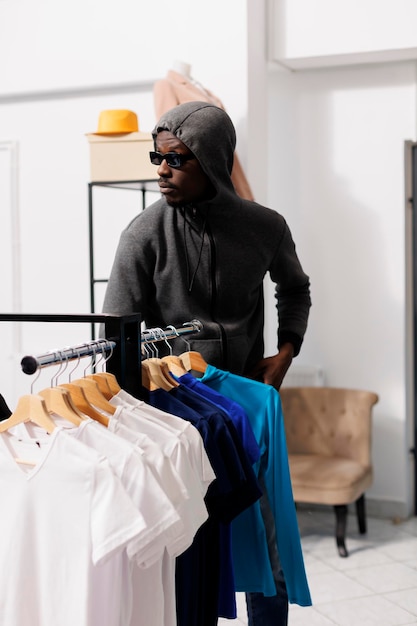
point(269, 610)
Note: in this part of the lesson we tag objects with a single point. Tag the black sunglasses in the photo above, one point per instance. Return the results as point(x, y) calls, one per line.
point(173, 159)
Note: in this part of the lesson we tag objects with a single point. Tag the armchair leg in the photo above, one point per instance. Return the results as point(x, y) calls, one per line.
point(341, 520)
point(361, 514)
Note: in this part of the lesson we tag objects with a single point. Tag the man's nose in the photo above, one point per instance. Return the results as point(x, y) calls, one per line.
point(164, 169)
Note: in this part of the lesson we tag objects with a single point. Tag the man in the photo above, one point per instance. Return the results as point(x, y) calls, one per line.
point(202, 252)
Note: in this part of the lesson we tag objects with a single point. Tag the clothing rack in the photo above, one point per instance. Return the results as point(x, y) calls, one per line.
point(151, 335)
point(122, 330)
point(31, 364)
point(124, 342)
point(97, 347)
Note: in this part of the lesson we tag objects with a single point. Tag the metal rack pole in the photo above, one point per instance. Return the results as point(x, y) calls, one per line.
point(31, 364)
point(124, 330)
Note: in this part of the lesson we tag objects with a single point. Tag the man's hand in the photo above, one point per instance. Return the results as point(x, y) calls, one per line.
point(273, 369)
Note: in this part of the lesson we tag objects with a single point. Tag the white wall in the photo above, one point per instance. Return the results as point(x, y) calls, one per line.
point(61, 65)
point(335, 139)
point(49, 45)
point(341, 173)
point(313, 33)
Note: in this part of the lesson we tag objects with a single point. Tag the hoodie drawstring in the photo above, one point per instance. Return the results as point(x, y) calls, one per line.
point(191, 278)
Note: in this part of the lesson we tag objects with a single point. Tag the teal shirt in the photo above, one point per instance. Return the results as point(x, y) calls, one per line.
point(251, 563)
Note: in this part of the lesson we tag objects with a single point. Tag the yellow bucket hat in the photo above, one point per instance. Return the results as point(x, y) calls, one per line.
point(116, 121)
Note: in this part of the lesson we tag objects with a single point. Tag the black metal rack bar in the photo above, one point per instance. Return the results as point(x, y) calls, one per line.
point(123, 340)
point(123, 330)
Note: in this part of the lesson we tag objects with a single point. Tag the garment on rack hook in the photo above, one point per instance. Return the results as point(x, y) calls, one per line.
point(262, 405)
point(5, 412)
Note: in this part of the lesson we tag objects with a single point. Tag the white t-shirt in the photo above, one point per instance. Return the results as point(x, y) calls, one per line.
point(180, 426)
point(63, 518)
point(147, 611)
point(194, 511)
point(163, 522)
point(163, 468)
point(142, 483)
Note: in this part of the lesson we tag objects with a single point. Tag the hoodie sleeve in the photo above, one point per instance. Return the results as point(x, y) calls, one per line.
point(292, 292)
point(129, 279)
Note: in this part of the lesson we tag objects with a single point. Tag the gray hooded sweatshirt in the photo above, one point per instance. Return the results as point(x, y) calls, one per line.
point(208, 260)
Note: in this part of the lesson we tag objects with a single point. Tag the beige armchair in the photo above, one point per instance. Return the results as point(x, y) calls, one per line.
point(328, 434)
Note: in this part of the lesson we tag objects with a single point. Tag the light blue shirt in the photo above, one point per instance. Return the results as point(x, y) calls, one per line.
point(252, 567)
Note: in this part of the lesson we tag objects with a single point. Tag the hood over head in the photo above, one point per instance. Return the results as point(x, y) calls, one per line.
point(208, 132)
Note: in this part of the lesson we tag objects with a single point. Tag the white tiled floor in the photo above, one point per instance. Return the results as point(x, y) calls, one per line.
point(376, 585)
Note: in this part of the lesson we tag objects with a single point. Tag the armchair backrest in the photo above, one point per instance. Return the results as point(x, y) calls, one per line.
point(329, 421)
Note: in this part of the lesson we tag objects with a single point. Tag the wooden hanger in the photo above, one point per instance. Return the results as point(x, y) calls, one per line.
point(175, 365)
point(106, 381)
point(167, 373)
point(111, 381)
point(59, 401)
point(193, 360)
point(81, 402)
point(30, 408)
point(94, 395)
point(102, 384)
point(156, 375)
point(147, 380)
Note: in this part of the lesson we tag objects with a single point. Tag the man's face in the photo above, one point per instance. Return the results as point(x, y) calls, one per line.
point(181, 186)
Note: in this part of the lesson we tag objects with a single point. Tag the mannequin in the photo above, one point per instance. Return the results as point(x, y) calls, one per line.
point(177, 87)
point(181, 67)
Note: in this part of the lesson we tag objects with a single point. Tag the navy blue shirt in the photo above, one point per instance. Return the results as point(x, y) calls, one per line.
point(204, 572)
